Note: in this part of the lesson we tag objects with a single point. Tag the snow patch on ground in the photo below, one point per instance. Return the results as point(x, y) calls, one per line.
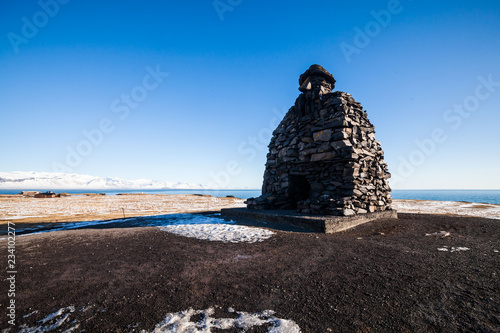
point(30, 314)
point(53, 321)
point(226, 233)
point(441, 234)
point(447, 207)
point(452, 249)
point(180, 322)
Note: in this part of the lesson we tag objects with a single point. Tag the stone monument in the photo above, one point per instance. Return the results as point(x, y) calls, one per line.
point(323, 157)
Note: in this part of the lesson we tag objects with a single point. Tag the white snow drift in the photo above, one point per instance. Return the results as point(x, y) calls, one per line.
point(52, 322)
point(227, 233)
point(180, 322)
point(453, 249)
point(68, 320)
point(447, 207)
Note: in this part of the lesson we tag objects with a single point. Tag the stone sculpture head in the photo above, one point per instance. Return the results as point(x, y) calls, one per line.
point(316, 79)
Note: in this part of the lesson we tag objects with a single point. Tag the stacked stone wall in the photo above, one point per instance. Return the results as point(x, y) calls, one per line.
point(323, 157)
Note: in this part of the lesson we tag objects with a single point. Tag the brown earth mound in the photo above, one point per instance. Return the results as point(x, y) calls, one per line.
point(383, 276)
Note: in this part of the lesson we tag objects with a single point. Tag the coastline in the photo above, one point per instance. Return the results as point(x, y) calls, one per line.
point(75, 208)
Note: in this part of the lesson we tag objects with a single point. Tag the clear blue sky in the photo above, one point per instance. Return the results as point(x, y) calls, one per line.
point(67, 67)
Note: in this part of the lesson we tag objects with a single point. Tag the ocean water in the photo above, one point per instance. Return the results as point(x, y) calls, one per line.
point(480, 196)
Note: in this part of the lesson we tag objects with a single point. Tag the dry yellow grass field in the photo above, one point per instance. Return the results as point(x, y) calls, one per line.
point(17, 208)
point(91, 207)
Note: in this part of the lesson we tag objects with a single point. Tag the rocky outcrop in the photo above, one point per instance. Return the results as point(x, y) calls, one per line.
point(323, 157)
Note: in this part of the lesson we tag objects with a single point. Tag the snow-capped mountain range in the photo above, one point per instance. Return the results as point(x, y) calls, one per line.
point(58, 181)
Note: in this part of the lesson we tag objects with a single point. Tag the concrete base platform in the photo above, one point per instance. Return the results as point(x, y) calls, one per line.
point(319, 223)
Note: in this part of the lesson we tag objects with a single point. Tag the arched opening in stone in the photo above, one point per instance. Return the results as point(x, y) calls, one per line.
point(298, 189)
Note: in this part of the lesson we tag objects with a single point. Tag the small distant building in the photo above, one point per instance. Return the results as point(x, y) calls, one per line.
point(30, 193)
point(48, 194)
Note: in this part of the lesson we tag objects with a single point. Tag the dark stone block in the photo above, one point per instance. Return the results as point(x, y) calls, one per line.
point(330, 223)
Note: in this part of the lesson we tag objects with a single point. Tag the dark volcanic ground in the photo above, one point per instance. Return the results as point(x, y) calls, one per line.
point(383, 276)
